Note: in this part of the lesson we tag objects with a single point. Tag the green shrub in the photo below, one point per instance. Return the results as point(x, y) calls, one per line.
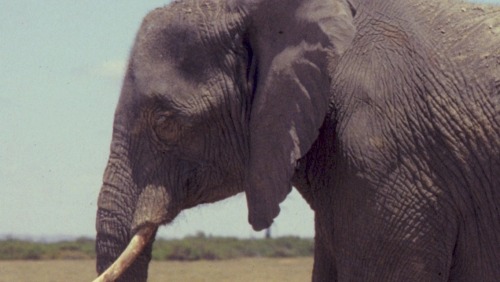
point(12, 249)
point(199, 247)
point(217, 248)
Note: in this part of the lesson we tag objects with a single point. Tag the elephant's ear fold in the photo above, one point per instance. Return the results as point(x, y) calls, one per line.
point(294, 54)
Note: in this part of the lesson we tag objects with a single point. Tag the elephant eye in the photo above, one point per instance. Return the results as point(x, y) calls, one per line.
point(161, 118)
point(166, 128)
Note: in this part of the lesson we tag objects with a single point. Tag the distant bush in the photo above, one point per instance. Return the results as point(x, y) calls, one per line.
point(199, 247)
point(13, 249)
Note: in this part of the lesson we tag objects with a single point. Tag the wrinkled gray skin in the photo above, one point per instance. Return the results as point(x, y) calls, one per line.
point(401, 170)
point(405, 176)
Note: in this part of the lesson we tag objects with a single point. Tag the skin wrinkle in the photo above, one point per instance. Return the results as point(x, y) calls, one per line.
point(116, 174)
point(409, 206)
point(227, 136)
point(229, 61)
point(229, 122)
point(471, 143)
point(445, 119)
point(439, 161)
point(410, 169)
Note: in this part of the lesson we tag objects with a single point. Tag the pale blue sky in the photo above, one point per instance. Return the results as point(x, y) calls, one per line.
point(61, 65)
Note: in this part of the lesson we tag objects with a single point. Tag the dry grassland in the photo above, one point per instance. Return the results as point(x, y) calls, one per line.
point(242, 270)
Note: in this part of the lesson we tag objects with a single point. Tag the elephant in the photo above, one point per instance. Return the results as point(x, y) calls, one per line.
point(384, 115)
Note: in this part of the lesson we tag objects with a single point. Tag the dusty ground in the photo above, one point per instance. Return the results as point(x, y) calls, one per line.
point(288, 270)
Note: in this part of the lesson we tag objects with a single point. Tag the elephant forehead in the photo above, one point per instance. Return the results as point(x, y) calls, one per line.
point(160, 80)
point(161, 87)
point(171, 55)
point(177, 73)
point(191, 40)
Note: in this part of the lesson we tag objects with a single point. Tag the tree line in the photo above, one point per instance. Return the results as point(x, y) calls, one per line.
point(191, 248)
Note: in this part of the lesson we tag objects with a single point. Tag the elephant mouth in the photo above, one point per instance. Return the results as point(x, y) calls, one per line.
point(129, 255)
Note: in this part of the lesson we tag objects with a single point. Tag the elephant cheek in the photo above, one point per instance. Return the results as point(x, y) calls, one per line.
point(151, 208)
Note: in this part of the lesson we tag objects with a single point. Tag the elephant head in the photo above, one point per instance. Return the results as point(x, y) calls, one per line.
point(219, 98)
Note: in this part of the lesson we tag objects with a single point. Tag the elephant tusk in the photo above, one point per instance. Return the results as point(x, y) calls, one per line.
point(134, 248)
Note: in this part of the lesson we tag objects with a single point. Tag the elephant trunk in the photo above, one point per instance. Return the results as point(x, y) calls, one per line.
point(129, 255)
point(117, 206)
point(130, 209)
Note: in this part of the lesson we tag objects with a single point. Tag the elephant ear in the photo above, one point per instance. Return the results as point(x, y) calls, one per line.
point(295, 43)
